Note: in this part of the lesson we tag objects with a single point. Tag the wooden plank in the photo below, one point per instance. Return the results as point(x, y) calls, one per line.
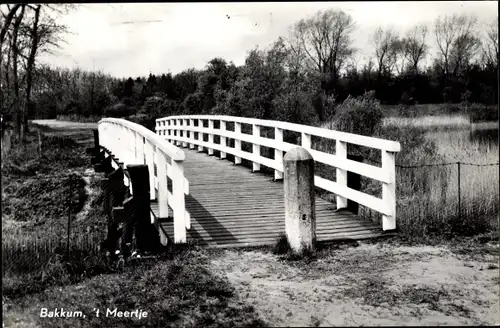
point(232, 207)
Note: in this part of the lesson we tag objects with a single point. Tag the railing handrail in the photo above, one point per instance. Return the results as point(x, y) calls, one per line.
point(182, 129)
point(351, 138)
point(167, 148)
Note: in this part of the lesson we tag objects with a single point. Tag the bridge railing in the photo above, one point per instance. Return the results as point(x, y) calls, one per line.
point(189, 130)
point(132, 143)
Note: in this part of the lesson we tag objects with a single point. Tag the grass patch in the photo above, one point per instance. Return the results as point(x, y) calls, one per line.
point(377, 293)
point(177, 292)
point(282, 248)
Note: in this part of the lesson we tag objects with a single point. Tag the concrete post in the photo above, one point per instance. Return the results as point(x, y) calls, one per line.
point(300, 216)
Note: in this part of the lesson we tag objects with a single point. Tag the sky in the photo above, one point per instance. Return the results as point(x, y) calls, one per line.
point(134, 39)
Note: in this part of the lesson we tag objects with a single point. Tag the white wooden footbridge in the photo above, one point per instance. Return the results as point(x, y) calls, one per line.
point(200, 191)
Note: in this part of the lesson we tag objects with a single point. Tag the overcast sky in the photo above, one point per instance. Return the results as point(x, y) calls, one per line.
point(189, 34)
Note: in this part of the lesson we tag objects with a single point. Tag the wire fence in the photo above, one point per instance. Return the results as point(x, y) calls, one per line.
point(46, 208)
point(459, 197)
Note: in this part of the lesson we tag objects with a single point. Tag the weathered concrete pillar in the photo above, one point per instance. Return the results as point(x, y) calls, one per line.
point(300, 213)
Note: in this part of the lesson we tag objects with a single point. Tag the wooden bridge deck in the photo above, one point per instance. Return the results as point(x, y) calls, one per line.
point(230, 206)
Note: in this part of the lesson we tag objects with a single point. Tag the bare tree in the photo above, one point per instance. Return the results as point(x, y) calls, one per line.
point(325, 39)
point(387, 48)
point(456, 41)
point(490, 45)
point(7, 20)
point(415, 47)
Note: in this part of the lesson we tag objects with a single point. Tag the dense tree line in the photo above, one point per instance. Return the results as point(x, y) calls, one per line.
point(299, 78)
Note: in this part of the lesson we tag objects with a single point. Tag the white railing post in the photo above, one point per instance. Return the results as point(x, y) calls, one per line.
point(211, 136)
point(139, 148)
point(341, 153)
point(389, 190)
point(179, 206)
point(237, 143)
point(178, 132)
point(184, 131)
point(305, 140)
point(161, 175)
point(223, 139)
point(169, 131)
point(256, 147)
point(278, 154)
point(191, 133)
point(200, 134)
point(150, 160)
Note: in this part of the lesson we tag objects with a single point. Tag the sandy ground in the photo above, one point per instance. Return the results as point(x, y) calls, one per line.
point(368, 285)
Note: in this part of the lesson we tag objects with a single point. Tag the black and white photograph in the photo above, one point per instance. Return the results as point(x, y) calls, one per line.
point(250, 164)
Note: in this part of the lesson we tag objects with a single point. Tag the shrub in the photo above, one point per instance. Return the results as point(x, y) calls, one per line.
point(143, 119)
point(152, 106)
point(117, 110)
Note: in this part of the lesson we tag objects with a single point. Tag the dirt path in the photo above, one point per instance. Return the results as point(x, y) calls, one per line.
point(368, 285)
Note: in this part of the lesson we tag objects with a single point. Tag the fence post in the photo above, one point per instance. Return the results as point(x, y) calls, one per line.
point(300, 212)
point(389, 190)
point(146, 235)
point(70, 198)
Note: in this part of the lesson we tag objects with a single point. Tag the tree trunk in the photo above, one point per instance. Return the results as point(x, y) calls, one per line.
point(8, 20)
point(15, 53)
point(31, 65)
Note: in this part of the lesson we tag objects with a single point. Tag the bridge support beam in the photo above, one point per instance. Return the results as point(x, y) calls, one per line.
point(300, 213)
point(146, 236)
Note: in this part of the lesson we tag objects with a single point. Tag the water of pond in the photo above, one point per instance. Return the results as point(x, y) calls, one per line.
point(489, 136)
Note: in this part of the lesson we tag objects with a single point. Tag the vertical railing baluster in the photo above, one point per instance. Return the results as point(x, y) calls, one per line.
point(185, 133)
point(191, 133)
point(341, 153)
point(179, 206)
point(211, 136)
point(389, 190)
point(150, 160)
point(161, 175)
point(305, 140)
point(256, 148)
point(223, 139)
point(200, 134)
point(237, 143)
point(278, 154)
